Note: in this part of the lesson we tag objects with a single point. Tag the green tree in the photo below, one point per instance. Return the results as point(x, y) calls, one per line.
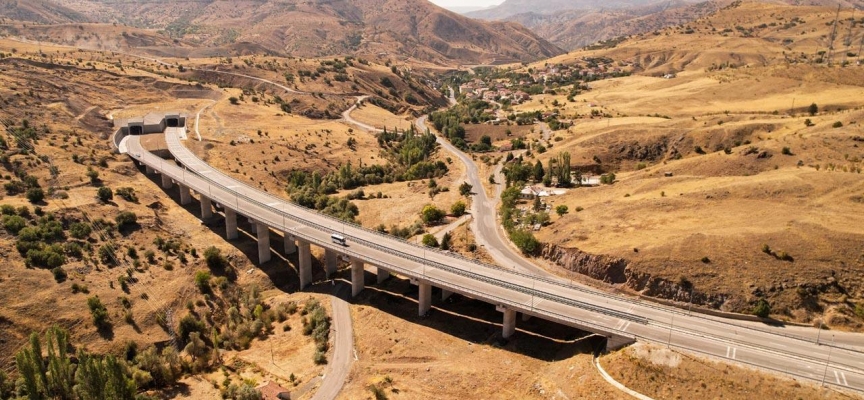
point(93, 175)
point(813, 109)
point(525, 241)
point(80, 230)
point(35, 195)
point(538, 205)
point(539, 172)
point(458, 208)
point(762, 308)
point(14, 224)
point(202, 281)
point(104, 194)
point(445, 241)
point(214, 258)
point(561, 210)
point(431, 214)
point(99, 313)
point(126, 218)
point(465, 189)
point(429, 240)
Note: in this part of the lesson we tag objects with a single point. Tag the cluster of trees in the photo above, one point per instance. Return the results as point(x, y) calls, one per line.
point(520, 236)
point(316, 323)
point(558, 172)
point(449, 122)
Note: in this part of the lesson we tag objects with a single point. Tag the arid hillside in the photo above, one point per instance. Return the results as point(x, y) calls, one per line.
point(402, 29)
point(737, 176)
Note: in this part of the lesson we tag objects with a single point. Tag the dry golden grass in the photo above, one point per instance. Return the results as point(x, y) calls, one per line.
point(380, 118)
point(663, 374)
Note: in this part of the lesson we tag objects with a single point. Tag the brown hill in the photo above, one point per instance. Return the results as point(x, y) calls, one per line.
point(407, 29)
point(41, 11)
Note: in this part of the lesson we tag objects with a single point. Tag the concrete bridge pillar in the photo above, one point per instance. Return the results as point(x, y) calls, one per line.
point(383, 275)
point(263, 242)
point(290, 244)
point(185, 195)
point(424, 297)
point(166, 182)
point(357, 277)
point(445, 294)
point(305, 256)
point(149, 170)
point(509, 325)
point(230, 224)
point(206, 207)
point(616, 342)
point(330, 261)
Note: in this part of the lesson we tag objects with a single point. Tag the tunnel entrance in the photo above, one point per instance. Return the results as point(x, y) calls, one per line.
point(136, 130)
point(173, 122)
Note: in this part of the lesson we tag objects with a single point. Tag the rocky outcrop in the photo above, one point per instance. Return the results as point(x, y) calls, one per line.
point(617, 271)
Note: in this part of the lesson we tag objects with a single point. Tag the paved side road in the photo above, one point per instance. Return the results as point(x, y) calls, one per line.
point(343, 354)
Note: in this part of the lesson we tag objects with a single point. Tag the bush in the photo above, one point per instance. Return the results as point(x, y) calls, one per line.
point(126, 218)
point(431, 214)
point(762, 309)
point(59, 274)
point(127, 193)
point(80, 230)
point(786, 151)
point(813, 109)
point(214, 258)
point(93, 175)
point(458, 208)
point(7, 209)
point(465, 189)
point(35, 195)
point(14, 224)
point(189, 324)
point(706, 260)
point(99, 313)
point(561, 210)
point(106, 254)
point(445, 241)
point(429, 240)
point(525, 241)
point(202, 281)
point(104, 194)
point(837, 124)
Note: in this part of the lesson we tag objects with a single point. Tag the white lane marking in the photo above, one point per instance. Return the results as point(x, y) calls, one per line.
point(841, 378)
point(731, 352)
point(273, 204)
point(632, 306)
point(627, 325)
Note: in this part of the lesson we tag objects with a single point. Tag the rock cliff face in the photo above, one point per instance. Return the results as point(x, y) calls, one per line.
point(617, 271)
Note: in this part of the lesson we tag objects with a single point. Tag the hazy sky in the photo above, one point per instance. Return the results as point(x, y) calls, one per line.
point(467, 3)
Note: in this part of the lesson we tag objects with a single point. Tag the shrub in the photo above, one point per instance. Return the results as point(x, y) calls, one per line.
point(762, 309)
point(59, 274)
point(104, 194)
point(859, 310)
point(445, 241)
point(80, 230)
point(202, 281)
point(7, 209)
point(189, 324)
point(706, 260)
point(14, 224)
point(813, 109)
point(561, 210)
point(99, 313)
point(786, 151)
point(126, 218)
point(837, 124)
point(458, 208)
point(431, 214)
point(465, 189)
point(93, 175)
point(35, 195)
point(525, 241)
point(429, 240)
point(234, 100)
point(106, 254)
point(214, 258)
point(127, 193)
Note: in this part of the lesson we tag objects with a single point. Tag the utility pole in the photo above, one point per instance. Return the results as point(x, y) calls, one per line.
point(848, 42)
point(828, 361)
point(833, 36)
point(671, 325)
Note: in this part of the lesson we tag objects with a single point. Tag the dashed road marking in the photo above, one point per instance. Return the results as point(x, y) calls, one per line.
point(841, 378)
point(731, 352)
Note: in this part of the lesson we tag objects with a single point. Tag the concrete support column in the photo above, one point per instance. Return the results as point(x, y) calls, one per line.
point(206, 207)
point(330, 260)
point(263, 242)
point(445, 294)
point(357, 277)
point(424, 297)
point(305, 256)
point(230, 224)
point(509, 325)
point(185, 195)
point(290, 244)
point(149, 170)
point(383, 275)
point(166, 182)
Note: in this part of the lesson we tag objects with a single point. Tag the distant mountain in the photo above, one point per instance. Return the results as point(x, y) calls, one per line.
point(464, 9)
point(40, 11)
point(572, 24)
point(313, 28)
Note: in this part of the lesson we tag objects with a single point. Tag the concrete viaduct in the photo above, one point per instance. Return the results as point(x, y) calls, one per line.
point(620, 319)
